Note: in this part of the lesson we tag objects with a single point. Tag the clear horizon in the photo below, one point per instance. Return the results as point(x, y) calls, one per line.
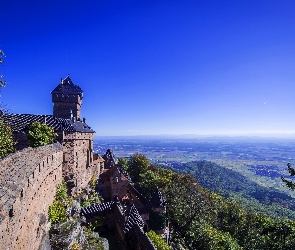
point(204, 136)
point(151, 68)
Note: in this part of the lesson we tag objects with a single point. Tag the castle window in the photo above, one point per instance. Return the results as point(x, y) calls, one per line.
point(22, 193)
point(11, 212)
point(39, 168)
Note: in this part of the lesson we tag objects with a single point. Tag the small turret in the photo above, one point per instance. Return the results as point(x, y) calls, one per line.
point(67, 99)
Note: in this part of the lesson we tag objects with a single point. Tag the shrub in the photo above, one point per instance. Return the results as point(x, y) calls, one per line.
point(57, 212)
point(94, 198)
point(158, 241)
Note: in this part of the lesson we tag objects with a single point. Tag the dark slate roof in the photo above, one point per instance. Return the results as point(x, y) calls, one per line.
point(143, 210)
point(67, 87)
point(157, 200)
point(109, 158)
point(137, 194)
point(97, 208)
point(133, 218)
point(20, 122)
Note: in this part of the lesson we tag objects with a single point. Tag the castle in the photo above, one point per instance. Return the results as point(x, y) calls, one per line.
point(28, 178)
point(76, 137)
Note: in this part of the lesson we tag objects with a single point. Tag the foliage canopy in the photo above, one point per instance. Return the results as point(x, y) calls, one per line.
point(6, 140)
point(158, 241)
point(41, 134)
point(123, 164)
point(201, 219)
point(137, 165)
point(290, 184)
point(57, 210)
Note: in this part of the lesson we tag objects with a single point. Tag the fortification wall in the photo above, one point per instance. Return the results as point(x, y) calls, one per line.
point(79, 164)
point(28, 181)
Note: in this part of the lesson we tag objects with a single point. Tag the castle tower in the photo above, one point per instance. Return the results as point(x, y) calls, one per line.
point(67, 100)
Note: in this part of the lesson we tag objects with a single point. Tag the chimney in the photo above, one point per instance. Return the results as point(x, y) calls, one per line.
point(84, 120)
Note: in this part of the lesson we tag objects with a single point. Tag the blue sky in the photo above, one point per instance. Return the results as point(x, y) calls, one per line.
point(156, 67)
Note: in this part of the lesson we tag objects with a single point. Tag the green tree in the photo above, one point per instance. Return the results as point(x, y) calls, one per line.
point(158, 241)
point(41, 134)
point(123, 164)
point(6, 140)
point(6, 137)
point(137, 164)
point(148, 183)
point(289, 184)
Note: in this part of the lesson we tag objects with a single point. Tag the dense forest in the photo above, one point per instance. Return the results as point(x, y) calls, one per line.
point(231, 184)
point(202, 219)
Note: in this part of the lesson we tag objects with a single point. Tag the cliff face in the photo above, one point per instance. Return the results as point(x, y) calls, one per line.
point(28, 181)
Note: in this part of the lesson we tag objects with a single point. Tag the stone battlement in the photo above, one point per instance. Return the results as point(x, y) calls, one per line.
point(28, 181)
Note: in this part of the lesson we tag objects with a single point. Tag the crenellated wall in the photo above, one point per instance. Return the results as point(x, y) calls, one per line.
point(79, 162)
point(28, 181)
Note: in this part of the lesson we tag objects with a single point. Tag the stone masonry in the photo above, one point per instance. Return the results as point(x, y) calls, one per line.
point(76, 137)
point(28, 182)
point(28, 178)
point(79, 162)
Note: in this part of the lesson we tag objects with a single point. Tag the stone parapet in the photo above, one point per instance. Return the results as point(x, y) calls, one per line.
point(28, 181)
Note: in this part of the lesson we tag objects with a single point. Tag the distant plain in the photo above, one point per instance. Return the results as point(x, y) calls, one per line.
point(263, 160)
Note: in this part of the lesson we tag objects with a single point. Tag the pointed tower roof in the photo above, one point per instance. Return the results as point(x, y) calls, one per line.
point(157, 200)
point(67, 87)
point(109, 158)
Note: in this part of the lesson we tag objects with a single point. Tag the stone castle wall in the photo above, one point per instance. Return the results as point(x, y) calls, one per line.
point(79, 162)
point(28, 182)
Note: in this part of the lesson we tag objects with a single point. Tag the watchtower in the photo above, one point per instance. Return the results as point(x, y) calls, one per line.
point(67, 100)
